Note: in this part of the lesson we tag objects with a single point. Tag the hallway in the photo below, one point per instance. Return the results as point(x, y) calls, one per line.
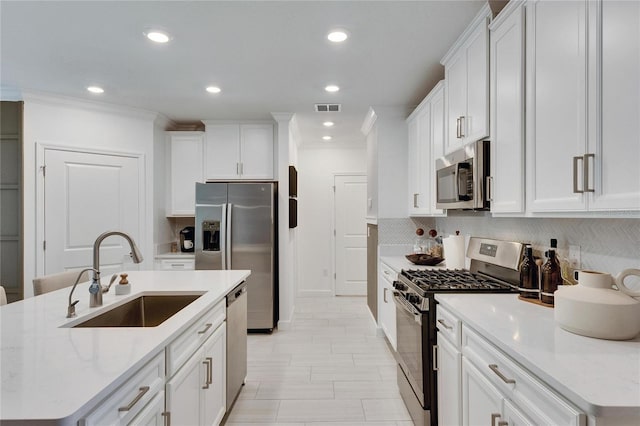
point(329, 369)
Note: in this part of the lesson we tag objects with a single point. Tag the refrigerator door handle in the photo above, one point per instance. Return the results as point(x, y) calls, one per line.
point(223, 237)
point(228, 230)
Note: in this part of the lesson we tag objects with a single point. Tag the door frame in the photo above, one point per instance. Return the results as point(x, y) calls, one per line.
point(41, 148)
point(333, 224)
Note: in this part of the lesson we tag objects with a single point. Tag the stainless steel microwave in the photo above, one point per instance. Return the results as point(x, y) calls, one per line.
point(461, 178)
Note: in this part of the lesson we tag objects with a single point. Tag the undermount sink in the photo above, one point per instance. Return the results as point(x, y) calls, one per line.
point(143, 311)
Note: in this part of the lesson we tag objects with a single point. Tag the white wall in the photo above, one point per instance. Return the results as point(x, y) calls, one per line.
point(316, 169)
point(89, 125)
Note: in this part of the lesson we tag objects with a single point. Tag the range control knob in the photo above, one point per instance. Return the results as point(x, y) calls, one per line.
point(399, 286)
point(413, 298)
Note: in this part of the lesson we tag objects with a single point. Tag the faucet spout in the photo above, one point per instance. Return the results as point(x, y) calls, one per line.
point(71, 309)
point(96, 289)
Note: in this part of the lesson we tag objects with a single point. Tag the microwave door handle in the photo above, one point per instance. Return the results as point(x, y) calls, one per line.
point(460, 182)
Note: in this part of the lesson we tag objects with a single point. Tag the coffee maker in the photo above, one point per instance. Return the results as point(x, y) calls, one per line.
point(187, 239)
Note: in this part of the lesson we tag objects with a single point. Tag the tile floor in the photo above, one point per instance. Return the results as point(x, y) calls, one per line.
point(329, 369)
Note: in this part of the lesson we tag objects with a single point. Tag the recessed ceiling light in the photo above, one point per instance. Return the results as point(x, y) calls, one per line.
point(337, 36)
point(157, 36)
point(332, 88)
point(328, 124)
point(95, 89)
point(326, 138)
point(213, 89)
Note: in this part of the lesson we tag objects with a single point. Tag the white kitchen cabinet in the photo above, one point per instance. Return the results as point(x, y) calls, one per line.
point(178, 263)
point(481, 401)
point(426, 143)
point(507, 66)
point(153, 414)
point(185, 169)
point(386, 305)
point(467, 84)
point(583, 106)
point(195, 394)
point(238, 151)
point(449, 368)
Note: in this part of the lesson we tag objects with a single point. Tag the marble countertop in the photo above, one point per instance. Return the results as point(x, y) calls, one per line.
point(601, 377)
point(49, 371)
point(398, 263)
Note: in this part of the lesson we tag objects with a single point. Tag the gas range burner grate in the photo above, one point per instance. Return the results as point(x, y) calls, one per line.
point(452, 280)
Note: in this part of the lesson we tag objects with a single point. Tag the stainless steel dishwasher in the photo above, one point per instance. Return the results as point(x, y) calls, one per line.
point(236, 342)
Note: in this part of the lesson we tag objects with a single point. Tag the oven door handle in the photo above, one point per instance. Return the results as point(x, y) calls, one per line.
point(407, 307)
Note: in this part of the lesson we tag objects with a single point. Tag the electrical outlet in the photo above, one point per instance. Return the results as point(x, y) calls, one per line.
point(574, 257)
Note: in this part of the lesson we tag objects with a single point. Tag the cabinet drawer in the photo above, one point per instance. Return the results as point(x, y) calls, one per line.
point(130, 398)
point(183, 346)
point(535, 399)
point(449, 326)
point(177, 264)
point(388, 273)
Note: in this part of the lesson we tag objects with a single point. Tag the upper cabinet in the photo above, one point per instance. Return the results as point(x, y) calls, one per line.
point(238, 151)
point(467, 84)
point(426, 143)
point(506, 188)
point(186, 168)
point(583, 106)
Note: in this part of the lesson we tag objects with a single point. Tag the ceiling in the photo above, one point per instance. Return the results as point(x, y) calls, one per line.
point(266, 56)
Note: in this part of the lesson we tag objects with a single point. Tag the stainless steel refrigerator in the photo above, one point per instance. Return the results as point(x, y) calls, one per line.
point(236, 229)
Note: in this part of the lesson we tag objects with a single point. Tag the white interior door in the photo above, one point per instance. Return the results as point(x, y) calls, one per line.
point(86, 194)
point(351, 235)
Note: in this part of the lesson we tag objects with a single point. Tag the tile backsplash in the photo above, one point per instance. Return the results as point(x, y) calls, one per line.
point(607, 245)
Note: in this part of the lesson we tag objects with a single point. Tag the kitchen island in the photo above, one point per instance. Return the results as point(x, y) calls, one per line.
point(52, 373)
point(600, 378)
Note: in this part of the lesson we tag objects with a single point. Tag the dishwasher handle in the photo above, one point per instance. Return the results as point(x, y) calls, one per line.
point(236, 293)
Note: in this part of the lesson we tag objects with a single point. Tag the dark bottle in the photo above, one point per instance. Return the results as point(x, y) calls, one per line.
point(529, 285)
point(551, 276)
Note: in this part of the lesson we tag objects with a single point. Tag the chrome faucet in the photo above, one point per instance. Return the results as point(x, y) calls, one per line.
point(96, 289)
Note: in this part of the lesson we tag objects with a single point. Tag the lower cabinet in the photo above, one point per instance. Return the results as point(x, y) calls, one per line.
point(449, 369)
point(153, 414)
point(481, 401)
point(386, 306)
point(195, 395)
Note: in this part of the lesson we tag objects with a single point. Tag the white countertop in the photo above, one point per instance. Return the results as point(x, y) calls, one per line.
point(52, 372)
point(602, 377)
point(398, 263)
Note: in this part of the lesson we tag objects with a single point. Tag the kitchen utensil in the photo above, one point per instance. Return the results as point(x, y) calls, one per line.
point(593, 308)
point(187, 239)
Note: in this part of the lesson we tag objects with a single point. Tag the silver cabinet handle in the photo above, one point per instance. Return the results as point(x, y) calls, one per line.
point(167, 418)
point(435, 357)
point(237, 168)
point(462, 132)
point(494, 416)
point(458, 128)
point(210, 377)
point(385, 272)
point(503, 423)
point(206, 328)
point(415, 200)
point(489, 184)
point(444, 324)
point(208, 363)
point(141, 392)
point(494, 368)
point(384, 295)
point(576, 190)
point(586, 172)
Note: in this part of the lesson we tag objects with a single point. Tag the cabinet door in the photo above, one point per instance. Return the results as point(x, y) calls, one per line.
point(436, 145)
point(449, 383)
point(412, 166)
point(183, 392)
point(186, 150)
point(256, 151)
point(153, 414)
point(222, 152)
point(213, 395)
point(423, 154)
point(615, 144)
point(481, 401)
point(475, 124)
point(513, 416)
point(386, 306)
point(456, 104)
point(372, 173)
point(556, 107)
point(507, 115)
